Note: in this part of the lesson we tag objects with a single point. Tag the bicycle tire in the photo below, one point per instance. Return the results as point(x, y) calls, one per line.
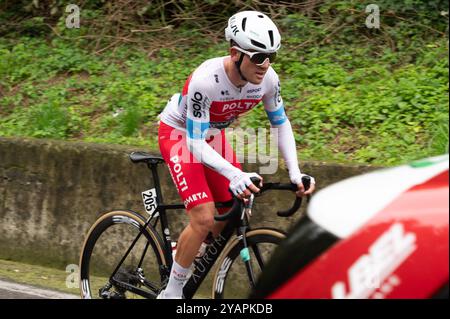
point(228, 282)
point(120, 228)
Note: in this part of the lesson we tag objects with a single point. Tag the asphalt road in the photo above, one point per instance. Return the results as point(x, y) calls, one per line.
point(10, 290)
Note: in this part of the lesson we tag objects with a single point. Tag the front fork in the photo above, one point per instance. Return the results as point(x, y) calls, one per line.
point(241, 235)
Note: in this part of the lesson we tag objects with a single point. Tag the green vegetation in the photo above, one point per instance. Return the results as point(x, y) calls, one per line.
point(352, 94)
point(38, 276)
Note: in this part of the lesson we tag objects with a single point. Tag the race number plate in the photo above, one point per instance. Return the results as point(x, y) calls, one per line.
point(149, 199)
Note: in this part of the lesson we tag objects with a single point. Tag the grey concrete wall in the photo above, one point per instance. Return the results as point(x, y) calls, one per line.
point(51, 192)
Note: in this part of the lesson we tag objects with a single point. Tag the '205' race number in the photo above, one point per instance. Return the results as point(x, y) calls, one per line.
point(149, 199)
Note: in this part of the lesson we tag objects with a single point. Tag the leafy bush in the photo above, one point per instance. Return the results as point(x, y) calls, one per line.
point(352, 94)
point(48, 120)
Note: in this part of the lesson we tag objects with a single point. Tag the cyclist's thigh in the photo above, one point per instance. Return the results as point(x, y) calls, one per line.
point(187, 174)
point(218, 183)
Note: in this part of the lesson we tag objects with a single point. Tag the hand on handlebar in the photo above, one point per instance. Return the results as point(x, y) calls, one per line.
point(309, 188)
point(257, 180)
point(242, 186)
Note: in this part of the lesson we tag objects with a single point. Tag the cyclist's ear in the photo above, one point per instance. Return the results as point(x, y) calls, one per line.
point(235, 54)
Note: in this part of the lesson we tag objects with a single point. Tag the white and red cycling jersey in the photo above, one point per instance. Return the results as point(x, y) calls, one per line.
point(208, 104)
point(211, 99)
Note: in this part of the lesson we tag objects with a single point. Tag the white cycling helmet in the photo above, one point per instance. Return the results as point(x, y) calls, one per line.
point(253, 30)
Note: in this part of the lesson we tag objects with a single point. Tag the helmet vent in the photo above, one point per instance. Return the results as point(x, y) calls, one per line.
point(260, 16)
point(243, 23)
point(271, 37)
point(258, 44)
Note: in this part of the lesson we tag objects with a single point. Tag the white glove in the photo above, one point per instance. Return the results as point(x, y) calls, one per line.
point(297, 179)
point(239, 183)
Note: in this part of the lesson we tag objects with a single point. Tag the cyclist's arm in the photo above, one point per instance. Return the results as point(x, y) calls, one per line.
point(197, 125)
point(273, 104)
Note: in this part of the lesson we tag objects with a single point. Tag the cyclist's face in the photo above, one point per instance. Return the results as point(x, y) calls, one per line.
point(252, 72)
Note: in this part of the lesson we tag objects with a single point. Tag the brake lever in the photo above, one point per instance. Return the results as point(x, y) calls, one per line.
point(238, 204)
point(249, 205)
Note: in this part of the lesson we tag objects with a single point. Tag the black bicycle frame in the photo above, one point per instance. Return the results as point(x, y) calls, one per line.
point(202, 265)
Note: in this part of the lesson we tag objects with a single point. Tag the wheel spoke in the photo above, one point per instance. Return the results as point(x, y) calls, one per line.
point(133, 275)
point(229, 281)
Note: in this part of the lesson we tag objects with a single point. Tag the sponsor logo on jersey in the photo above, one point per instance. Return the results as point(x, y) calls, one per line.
point(223, 108)
point(199, 104)
point(253, 90)
point(257, 97)
point(278, 93)
point(221, 125)
point(179, 179)
point(195, 197)
point(237, 106)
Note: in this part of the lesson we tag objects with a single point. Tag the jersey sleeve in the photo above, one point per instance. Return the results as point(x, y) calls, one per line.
point(273, 102)
point(197, 115)
point(274, 107)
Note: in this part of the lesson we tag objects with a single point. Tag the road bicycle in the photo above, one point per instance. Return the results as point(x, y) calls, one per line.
point(124, 256)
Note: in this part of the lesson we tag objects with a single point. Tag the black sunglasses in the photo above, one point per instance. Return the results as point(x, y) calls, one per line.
point(258, 58)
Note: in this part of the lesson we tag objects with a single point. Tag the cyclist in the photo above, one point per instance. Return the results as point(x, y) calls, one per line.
point(191, 134)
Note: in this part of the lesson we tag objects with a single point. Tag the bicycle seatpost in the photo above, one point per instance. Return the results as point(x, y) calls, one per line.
point(156, 182)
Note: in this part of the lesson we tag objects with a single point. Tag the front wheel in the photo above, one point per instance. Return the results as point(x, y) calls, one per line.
point(103, 271)
point(231, 280)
